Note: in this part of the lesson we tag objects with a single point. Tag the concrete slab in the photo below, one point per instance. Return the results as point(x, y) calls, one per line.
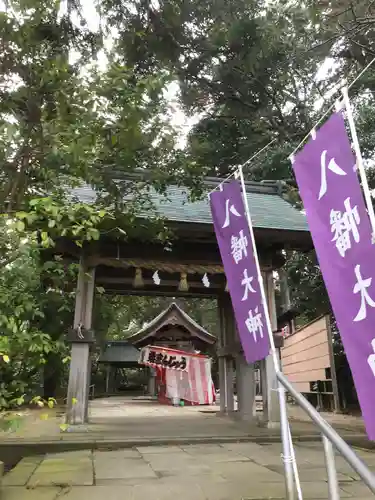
point(356, 489)
point(70, 455)
point(124, 469)
point(248, 449)
point(59, 465)
point(313, 474)
point(15, 493)
point(62, 479)
point(117, 454)
point(187, 471)
point(241, 489)
point(251, 490)
point(131, 481)
point(200, 479)
point(144, 450)
point(172, 460)
point(203, 449)
point(236, 471)
point(22, 472)
point(213, 458)
point(226, 471)
point(70, 469)
point(161, 491)
point(98, 493)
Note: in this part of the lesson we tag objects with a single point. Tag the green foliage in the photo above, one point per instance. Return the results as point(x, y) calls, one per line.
point(254, 71)
point(36, 307)
point(67, 122)
point(51, 220)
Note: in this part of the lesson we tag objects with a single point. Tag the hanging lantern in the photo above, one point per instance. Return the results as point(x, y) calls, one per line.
point(183, 285)
point(138, 278)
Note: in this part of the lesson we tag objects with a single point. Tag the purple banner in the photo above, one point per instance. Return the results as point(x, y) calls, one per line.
point(234, 240)
point(340, 228)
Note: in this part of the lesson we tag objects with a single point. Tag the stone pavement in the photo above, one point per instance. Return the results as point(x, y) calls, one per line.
point(128, 418)
point(338, 420)
point(194, 472)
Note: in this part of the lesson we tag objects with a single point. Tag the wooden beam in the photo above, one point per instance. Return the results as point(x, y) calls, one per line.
point(207, 293)
point(234, 348)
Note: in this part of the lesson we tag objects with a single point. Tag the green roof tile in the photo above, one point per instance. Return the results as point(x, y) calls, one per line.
point(269, 210)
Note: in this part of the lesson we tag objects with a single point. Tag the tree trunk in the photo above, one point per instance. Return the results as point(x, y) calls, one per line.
point(52, 375)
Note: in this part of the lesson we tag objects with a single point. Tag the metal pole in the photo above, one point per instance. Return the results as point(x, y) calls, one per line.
point(295, 469)
point(361, 167)
point(284, 425)
point(346, 451)
point(329, 455)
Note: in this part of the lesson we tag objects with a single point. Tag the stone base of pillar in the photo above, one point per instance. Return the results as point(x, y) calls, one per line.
point(272, 410)
point(221, 413)
point(151, 388)
point(245, 390)
point(273, 425)
point(78, 388)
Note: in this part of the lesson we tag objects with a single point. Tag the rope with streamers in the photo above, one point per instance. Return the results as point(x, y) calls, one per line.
point(159, 265)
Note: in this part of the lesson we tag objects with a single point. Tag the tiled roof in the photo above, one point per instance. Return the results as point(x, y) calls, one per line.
point(180, 317)
point(119, 352)
point(269, 210)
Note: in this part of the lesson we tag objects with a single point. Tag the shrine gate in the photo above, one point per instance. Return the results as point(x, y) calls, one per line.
point(190, 267)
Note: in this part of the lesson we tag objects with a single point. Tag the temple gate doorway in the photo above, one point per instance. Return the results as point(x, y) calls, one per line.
point(189, 266)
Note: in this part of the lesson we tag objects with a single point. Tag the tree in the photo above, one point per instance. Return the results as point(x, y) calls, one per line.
point(23, 340)
point(65, 123)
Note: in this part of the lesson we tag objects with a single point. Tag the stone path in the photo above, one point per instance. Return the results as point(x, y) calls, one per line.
point(338, 420)
point(127, 418)
point(201, 472)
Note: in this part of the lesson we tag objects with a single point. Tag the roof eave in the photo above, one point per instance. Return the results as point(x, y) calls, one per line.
point(163, 319)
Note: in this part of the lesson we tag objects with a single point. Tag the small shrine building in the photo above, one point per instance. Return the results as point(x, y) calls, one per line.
point(172, 329)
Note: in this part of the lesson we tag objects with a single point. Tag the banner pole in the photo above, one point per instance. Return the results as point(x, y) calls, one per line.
point(288, 455)
point(358, 154)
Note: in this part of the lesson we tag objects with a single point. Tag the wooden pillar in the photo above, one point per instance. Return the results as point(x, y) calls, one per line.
point(263, 384)
point(270, 394)
point(230, 332)
point(221, 360)
point(229, 371)
point(285, 294)
point(90, 293)
point(108, 370)
point(80, 364)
